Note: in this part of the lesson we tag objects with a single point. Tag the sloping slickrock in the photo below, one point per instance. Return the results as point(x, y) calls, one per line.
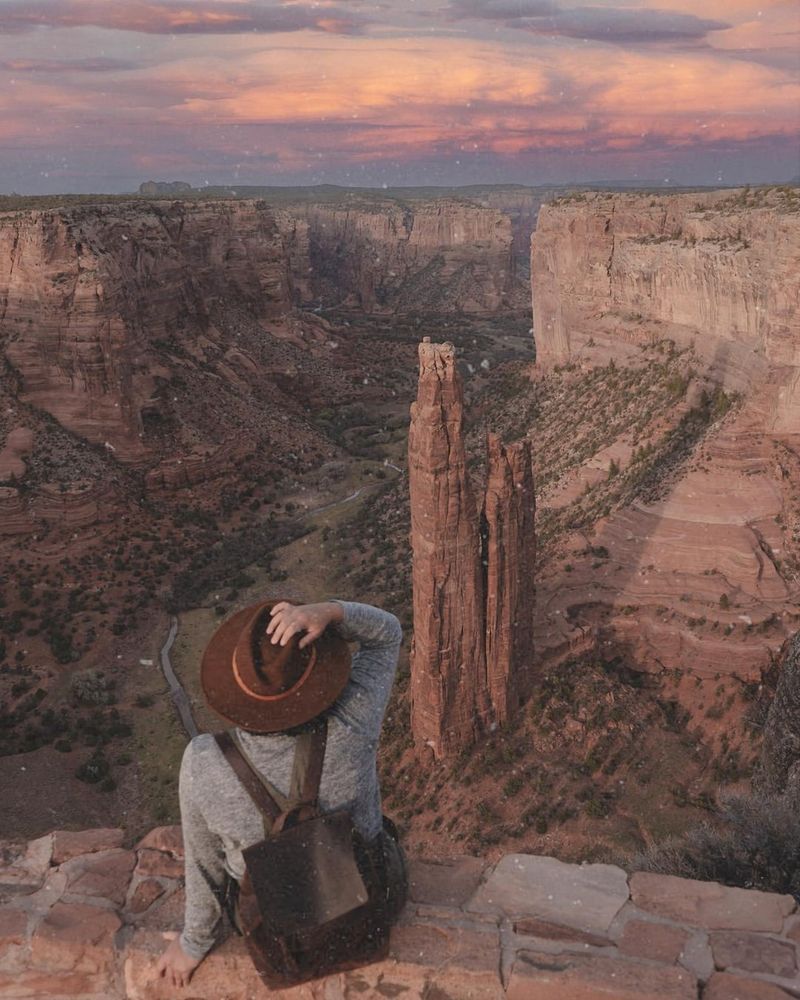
point(587, 896)
point(448, 683)
point(708, 904)
point(68, 844)
point(510, 589)
point(570, 976)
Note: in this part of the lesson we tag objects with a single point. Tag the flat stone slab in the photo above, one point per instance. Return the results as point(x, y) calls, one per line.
point(525, 885)
point(710, 905)
point(69, 844)
point(753, 953)
point(572, 976)
point(444, 883)
point(724, 986)
point(658, 942)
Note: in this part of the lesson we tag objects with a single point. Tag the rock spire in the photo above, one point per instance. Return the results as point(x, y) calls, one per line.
point(473, 598)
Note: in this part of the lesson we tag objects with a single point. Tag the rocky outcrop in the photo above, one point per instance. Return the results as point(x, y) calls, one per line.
point(82, 916)
point(472, 650)
point(509, 510)
point(449, 696)
point(444, 255)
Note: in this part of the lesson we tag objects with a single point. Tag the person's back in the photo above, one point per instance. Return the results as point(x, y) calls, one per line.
point(218, 817)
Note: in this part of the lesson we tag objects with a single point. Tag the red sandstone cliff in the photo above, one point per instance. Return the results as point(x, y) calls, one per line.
point(701, 573)
point(472, 651)
point(449, 698)
point(90, 295)
point(510, 588)
point(717, 268)
point(444, 255)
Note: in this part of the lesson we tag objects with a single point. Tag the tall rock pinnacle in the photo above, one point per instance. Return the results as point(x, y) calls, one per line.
point(471, 656)
point(448, 698)
point(510, 590)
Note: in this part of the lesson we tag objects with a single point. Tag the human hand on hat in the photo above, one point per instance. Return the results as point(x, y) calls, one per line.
point(289, 619)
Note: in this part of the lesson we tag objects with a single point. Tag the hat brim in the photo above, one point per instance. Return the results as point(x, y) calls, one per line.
point(316, 691)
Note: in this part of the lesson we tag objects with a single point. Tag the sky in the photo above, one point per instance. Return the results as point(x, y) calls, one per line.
point(100, 95)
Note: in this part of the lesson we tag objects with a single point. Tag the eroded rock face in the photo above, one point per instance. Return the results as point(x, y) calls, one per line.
point(443, 256)
point(86, 292)
point(509, 510)
point(700, 577)
point(449, 696)
point(708, 265)
point(471, 659)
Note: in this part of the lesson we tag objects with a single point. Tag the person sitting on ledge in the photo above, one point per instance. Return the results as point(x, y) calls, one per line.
point(218, 817)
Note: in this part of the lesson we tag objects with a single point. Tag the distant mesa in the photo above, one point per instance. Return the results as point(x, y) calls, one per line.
point(150, 188)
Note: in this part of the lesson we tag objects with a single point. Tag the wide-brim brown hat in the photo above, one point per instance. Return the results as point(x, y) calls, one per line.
point(264, 687)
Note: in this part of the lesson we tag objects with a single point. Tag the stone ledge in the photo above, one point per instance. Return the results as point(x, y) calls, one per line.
point(83, 917)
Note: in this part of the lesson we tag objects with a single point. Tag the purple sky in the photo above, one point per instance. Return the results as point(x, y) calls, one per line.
point(99, 95)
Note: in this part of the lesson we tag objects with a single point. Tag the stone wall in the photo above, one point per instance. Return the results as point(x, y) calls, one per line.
point(82, 916)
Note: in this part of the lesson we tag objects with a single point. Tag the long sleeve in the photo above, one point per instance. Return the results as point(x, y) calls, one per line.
point(379, 635)
point(205, 873)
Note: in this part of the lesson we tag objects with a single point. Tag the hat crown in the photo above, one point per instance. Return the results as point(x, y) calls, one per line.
point(265, 669)
point(263, 687)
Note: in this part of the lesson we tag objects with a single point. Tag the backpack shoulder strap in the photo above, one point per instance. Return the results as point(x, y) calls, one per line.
point(252, 782)
point(309, 756)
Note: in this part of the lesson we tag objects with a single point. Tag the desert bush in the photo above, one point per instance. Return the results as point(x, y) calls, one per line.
point(93, 770)
point(92, 687)
point(752, 842)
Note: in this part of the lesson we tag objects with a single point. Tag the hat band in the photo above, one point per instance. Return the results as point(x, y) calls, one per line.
point(273, 697)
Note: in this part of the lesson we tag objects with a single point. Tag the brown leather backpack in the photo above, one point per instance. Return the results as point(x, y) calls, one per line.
point(316, 897)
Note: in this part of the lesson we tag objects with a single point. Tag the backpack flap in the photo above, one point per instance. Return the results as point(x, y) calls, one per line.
point(307, 875)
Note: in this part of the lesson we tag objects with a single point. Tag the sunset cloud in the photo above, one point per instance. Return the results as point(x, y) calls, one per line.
point(209, 17)
point(430, 92)
point(618, 25)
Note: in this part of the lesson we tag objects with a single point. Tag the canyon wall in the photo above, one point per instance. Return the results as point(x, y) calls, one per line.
point(718, 269)
point(701, 573)
point(473, 590)
point(89, 294)
point(445, 255)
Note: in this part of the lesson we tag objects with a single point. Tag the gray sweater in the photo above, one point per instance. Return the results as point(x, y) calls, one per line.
point(218, 817)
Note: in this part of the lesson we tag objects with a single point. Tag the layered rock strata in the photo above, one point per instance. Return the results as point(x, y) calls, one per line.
point(718, 268)
point(471, 658)
point(82, 916)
